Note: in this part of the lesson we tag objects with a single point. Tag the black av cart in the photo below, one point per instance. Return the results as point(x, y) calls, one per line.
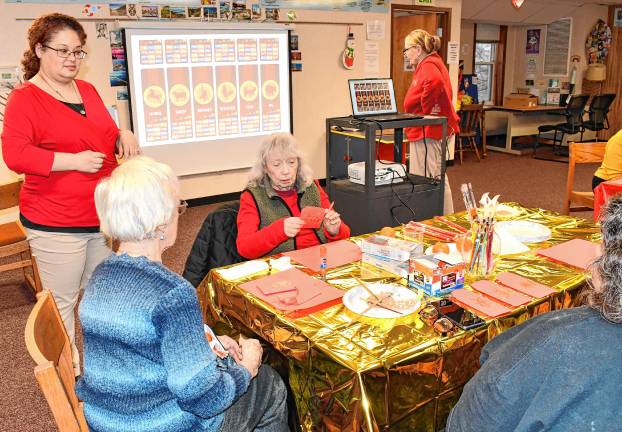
point(368, 207)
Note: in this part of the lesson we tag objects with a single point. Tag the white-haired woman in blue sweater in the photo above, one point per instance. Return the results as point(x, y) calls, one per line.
point(147, 363)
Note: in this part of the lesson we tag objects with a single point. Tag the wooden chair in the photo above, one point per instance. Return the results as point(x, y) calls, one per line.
point(470, 117)
point(581, 153)
point(48, 345)
point(13, 241)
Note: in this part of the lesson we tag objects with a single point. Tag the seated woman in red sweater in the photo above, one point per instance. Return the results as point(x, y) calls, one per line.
point(279, 186)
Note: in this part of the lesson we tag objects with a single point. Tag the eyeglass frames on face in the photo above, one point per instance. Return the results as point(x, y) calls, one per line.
point(181, 207)
point(65, 53)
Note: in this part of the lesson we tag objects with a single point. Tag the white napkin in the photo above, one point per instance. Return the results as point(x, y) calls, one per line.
point(509, 244)
point(282, 263)
point(246, 269)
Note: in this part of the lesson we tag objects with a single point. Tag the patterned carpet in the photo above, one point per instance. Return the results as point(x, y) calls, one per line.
point(532, 183)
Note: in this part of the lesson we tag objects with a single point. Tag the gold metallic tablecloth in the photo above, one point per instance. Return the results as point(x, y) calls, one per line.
point(353, 373)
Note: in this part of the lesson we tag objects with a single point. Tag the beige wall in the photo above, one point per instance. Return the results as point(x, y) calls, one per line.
point(319, 91)
point(467, 29)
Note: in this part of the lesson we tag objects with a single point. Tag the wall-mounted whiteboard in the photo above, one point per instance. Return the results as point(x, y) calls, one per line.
point(557, 47)
point(202, 99)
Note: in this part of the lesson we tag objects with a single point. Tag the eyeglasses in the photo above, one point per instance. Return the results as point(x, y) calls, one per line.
point(65, 53)
point(181, 207)
point(405, 50)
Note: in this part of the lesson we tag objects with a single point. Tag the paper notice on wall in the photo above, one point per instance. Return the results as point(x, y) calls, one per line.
point(375, 30)
point(372, 58)
point(532, 67)
point(453, 52)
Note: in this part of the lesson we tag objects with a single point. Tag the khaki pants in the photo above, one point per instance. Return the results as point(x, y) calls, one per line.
point(65, 263)
point(429, 164)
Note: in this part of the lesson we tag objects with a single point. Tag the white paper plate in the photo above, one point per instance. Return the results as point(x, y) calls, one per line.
point(356, 300)
point(524, 231)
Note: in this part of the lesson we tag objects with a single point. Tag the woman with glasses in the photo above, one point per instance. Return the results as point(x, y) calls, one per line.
point(58, 133)
point(148, 365)
point(429, 93)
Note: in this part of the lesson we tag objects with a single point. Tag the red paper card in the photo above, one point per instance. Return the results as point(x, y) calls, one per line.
point(577, 253)
point(312, 216)
point(524, 285)
point(479, 303)
point(278, 287)
point(501, 293)
point(337, 254)
point(307, 294)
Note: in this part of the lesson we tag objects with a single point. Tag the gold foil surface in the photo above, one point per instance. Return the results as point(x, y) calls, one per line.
point(350, 373)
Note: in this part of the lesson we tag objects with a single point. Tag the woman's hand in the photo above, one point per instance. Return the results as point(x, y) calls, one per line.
point(292, 226)
point(251, 355)
point(127, 145)
point(232, 347)
point(88, 161)
point(332, 222)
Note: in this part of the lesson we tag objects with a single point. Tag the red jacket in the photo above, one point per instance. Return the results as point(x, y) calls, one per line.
point(254, 243)
point(36, 125)
point(430, 93)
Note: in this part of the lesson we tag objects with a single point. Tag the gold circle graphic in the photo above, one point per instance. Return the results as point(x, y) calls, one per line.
point(203, 93)
point(154, 96)
point(179, 94)
point(270, 89)
point(249, 91)
point(226, 92)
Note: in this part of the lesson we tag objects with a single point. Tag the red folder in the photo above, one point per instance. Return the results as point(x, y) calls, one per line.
point(337, 254)
point(479, 303)
point(304, 294)
point(577, 253)
point(524, 285)
point(501, 293)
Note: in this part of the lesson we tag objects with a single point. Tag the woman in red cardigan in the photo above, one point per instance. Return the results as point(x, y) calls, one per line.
point(429, 93)
point(58, 133)
point(280, 185)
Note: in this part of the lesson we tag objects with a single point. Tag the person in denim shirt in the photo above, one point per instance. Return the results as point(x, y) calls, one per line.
point(559, 371)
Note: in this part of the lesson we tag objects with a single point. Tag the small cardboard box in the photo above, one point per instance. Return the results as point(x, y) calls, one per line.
point(520, 101)
point(399, 268)
point(435, 277)
point(390, 247)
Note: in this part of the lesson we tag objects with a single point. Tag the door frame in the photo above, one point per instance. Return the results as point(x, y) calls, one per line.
point(445, 21)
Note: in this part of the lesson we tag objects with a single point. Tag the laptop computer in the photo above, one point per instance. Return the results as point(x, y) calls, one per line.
point(374, 99)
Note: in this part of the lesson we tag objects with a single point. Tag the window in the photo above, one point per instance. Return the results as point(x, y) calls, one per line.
point(485, 55)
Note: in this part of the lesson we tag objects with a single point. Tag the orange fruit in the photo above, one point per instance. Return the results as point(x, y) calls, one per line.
point(387, 231)
point(440, 247)
point(464, 244)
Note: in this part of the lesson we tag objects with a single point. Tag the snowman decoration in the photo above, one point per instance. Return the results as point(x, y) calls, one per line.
point(347, 57)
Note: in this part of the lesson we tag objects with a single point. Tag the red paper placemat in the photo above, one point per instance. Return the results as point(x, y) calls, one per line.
point(337, 254)
point(524, 285)
point(479, 303)
point(577, 253)
point(304, 294)
point(501, 293)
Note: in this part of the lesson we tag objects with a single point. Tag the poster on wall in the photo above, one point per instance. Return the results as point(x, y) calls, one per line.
point(533, 41)
point(617, 17)
point(557, 47)
point(532, 67)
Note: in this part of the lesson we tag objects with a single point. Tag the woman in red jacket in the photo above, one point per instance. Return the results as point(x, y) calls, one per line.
point(429, 93)
point(58, 133)
point(280, 185)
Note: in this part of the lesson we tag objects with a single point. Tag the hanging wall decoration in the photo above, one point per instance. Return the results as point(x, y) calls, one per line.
point(347, 58)
point(598, 42)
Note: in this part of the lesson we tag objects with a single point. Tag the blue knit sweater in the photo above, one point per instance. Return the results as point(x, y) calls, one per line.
point(147, 363)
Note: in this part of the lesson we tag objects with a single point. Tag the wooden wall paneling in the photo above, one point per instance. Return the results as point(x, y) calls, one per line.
point(499, 69)
point(613, 83)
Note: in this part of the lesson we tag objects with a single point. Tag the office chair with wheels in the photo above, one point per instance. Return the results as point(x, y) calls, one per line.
point(598, 112)
point(573, 125)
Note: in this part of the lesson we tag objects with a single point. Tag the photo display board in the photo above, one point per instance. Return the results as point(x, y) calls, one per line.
point(202, 100)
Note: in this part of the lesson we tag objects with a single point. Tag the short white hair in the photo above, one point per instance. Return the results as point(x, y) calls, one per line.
point(140, 196)
point(287, 145)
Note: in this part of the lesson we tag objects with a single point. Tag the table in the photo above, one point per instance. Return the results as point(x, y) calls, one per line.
point(353, 373)
point(604, 192)
point(521, 122)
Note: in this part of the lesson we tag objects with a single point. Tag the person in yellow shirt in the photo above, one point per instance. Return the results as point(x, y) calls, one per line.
point(612, 161)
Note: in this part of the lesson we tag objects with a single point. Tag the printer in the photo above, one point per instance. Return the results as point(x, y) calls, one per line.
point(387, 172)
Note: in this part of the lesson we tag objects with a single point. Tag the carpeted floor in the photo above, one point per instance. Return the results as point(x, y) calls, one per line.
point(532, 183)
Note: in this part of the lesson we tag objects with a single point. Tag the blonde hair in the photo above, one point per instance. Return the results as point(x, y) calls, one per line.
point(428, 43)
point(287, 145)
point(140, 196)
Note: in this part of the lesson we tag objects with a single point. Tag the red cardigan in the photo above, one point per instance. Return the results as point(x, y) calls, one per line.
point(253, 242)
point(36, 125)
point(430, 93)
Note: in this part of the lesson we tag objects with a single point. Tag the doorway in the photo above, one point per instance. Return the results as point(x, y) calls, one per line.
point(404, 19)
